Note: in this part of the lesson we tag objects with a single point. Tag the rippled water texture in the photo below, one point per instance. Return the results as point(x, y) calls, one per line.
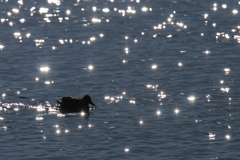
point(163, 74)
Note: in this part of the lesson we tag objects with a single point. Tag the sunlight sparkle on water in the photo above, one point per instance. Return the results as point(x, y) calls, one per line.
point(57, 2)
point(66, 131)
point(1, 47)
point(43, 10)
point(22, 20)
point(126, 149)
point(92, 39)
point(176, 111)
point(227, 136)
point(4, 95)
point(141, 122)
point(96, 20)
point(225, 90)
point(90, 67)
point(68, 12)
point(226, 70)
point(44, 69)
point(106, 10)
point(158, 112)
point(224, 6)
point(154, 66)
point(207, 52)
point(124, 61)
point(94, 8)
point(205, 15)
point(144, 9)
point(132, 101)
point(235, 11)
point(39, 118)
point(82, 114)
point(15, 10)
point(211, 136)
point(191, 98)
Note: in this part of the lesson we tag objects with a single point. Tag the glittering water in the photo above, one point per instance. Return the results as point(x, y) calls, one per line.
point(163, 74)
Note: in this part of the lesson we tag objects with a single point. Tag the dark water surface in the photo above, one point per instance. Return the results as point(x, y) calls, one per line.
point(164, 75)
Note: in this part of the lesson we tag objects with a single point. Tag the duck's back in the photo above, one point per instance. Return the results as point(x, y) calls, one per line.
point(73, 104)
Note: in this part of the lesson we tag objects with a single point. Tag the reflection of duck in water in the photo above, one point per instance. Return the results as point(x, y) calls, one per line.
point(72, 104)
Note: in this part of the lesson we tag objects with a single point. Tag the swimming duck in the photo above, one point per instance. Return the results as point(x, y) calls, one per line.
point(72, 104)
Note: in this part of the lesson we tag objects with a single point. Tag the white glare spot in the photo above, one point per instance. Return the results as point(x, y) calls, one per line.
point(15, 10)
point(228, 136)
point(22, 20)
point(132, 101)
point(141, 122)
point(66, 131)
point(39, 118)
point(224, 6)
point(68, 12)
point(154, 66)
point(176, 111)
point(43, 10)
point(126, 149)
point(47, 82)
point(226, 70)
point(90, 67)
point(44, 69)
point(158, 112)
point(205, 15)
point(1, 47)
point(28, 35)
point(235, 11)
point(180, 64)
point(3, 95)
point(105, 10)
point(144, 9)
point(94, 9)
point(191, 98)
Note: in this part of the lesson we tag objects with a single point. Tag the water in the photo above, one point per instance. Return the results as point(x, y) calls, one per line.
point(163, 74)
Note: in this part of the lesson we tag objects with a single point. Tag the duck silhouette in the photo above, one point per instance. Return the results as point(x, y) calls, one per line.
point(72, 104)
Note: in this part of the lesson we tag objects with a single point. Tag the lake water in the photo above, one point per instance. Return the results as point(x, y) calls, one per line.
point(164, 75)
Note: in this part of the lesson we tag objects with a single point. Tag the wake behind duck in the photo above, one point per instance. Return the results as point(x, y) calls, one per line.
point(72, 104)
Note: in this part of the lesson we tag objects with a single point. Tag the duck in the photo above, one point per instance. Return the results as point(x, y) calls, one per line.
point(72, 104)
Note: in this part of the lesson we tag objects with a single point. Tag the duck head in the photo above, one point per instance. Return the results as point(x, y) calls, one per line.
point(88, 99)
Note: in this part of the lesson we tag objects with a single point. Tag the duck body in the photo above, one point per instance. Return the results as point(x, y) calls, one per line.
point(72, 104)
